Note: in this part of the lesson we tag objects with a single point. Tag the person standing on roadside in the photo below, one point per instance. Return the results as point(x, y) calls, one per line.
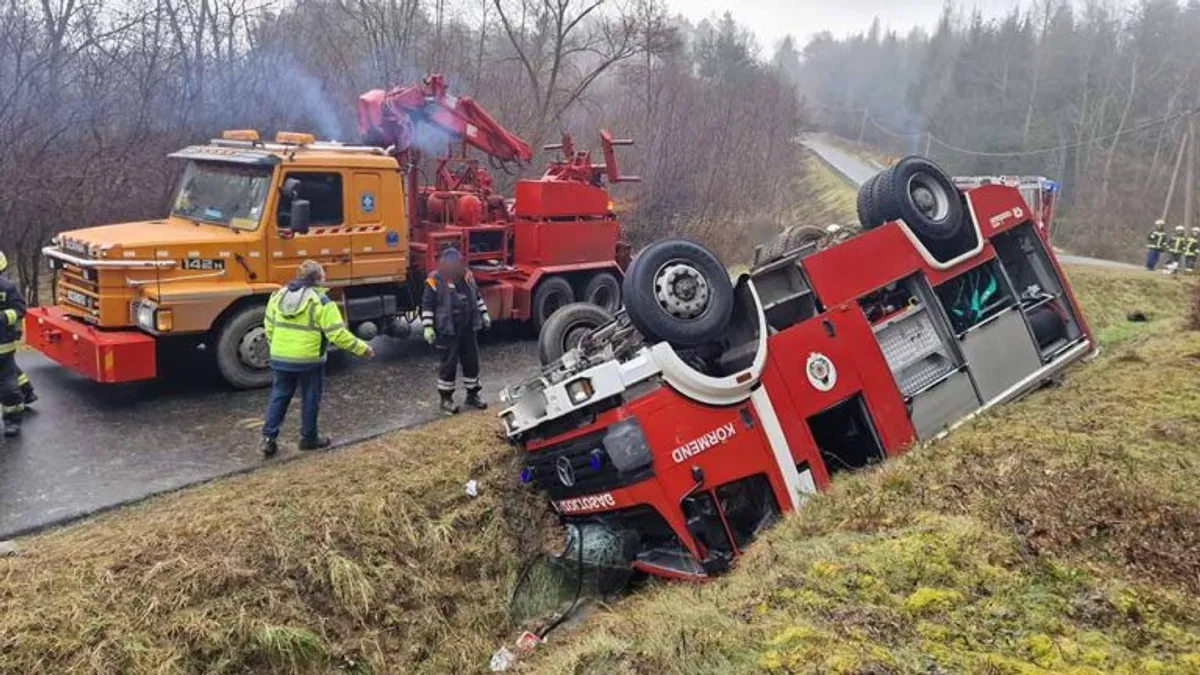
point(12, 313)
point(1156, 244)
point(301, 322)
point(452, 312)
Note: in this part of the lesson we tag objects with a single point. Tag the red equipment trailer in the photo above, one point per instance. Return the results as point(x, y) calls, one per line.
point(674, 453)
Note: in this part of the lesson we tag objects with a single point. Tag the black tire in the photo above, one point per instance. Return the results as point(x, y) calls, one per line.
point(867, 218)
point(604, 291)
point(566, 327)
point(789, 240)
point(923, 195)
point(678, 291)
point(551, 294)
point(242, 351)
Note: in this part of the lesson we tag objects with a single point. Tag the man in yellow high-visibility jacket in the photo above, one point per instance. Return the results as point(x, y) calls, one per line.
point(12, 313)
point(300, 323)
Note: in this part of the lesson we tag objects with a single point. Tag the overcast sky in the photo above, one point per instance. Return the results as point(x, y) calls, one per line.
point(772, 19)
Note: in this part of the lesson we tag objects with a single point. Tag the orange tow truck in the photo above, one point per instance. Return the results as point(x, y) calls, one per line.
point(248, 212)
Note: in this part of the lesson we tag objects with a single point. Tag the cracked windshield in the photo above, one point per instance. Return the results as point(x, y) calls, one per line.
point(222, 194)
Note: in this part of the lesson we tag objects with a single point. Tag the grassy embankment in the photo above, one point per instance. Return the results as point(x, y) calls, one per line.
point(1058, 532)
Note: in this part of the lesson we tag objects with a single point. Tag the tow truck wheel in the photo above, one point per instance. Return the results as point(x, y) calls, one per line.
point(678, 291)
point(567, 327)
point(551, 294)
point(243, 354)
point(923, 195)
point(604, 291)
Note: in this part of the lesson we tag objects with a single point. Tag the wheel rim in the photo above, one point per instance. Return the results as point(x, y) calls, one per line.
point(929, 196)
point(553, 302)
point(681, 290)
point(574, 336)
point(253, 349)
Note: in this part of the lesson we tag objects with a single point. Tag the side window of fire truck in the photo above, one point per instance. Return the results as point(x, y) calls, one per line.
point(323, 190)
point(749, 506)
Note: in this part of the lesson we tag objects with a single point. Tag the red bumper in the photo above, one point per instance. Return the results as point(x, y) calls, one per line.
point(104, 356)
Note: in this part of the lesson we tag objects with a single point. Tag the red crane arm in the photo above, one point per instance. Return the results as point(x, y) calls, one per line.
point(394, 117)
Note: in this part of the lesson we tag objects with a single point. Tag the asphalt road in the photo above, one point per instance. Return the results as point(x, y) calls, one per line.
point(857, 171)
point(88, 447)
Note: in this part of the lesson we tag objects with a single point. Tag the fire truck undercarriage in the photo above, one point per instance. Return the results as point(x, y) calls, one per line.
point(674, 432)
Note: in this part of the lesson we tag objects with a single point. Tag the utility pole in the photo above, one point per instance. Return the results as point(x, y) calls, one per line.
point(1183, 144)
point(862, 129)
point(1191, 175)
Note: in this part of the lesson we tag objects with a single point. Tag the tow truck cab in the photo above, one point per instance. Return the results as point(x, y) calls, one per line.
point(835, 359)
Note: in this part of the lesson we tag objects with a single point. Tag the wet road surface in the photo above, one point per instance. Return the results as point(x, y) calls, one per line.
point(857, 171)
point(89, 446)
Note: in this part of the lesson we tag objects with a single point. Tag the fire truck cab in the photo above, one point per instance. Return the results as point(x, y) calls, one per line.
point(832, 360)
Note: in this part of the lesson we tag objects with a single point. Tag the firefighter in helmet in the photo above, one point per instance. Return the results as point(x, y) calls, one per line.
point(1175, 247)
point(452, 311)
point(1156, 244)
point(12, 312)
point(1191, 249)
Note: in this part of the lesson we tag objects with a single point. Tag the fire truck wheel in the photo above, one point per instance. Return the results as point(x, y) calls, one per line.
point(923, 195)
point(566, 327)
point(242, 351)
point(551, 294)
point(866, 205)
point(604, 291)
point(789, 240)
point(677, 291)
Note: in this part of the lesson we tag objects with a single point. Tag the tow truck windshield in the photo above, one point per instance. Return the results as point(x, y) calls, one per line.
point(222, 194)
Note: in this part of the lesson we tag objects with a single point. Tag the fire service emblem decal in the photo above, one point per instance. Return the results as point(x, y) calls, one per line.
point(822, 374)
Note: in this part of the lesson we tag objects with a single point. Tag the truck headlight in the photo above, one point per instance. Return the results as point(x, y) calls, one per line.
point(580, 390)
point(145, 317)
point(626, 445)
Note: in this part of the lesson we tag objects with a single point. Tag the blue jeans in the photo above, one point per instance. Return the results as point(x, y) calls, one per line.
point(1151, 258)
point(283, 387)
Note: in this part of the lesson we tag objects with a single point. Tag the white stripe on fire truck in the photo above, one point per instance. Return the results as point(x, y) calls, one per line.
point(779, 447)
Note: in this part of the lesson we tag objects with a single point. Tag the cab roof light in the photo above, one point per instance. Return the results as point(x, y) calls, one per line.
point(294, 138)
point(240, 135)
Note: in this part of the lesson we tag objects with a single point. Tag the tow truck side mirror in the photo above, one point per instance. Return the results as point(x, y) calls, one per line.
point(300, 213)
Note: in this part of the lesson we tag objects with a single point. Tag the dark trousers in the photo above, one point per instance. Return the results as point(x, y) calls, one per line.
point(453, 350)
point(283, 387)
point(11, 398)
point(1152, 258)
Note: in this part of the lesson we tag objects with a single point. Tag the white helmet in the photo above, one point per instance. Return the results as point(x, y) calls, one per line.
point(1180, 228)
point(1196, 230)
point(1160, 222)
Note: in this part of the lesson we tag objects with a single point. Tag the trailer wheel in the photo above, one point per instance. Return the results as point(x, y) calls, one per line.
point(923, 195)
point(678, 291)
point(566, 327)
point(551, 294)
point(604, 291)
point(242, 352)
point(867, 218)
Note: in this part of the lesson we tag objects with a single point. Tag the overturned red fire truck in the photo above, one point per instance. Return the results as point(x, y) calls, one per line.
point(677, 430)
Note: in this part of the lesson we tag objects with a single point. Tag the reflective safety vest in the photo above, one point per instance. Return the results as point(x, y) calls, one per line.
point(1190, 247)
point(1158, 240)
point(12, 312)
point(1178, 242)
point(301, 321)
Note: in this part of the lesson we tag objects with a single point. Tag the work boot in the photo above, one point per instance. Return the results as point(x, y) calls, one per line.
point(448, 406)
point(11, 429)
point(269, 447)
point(315, 443)
point(29, 396)
point(474, 401)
